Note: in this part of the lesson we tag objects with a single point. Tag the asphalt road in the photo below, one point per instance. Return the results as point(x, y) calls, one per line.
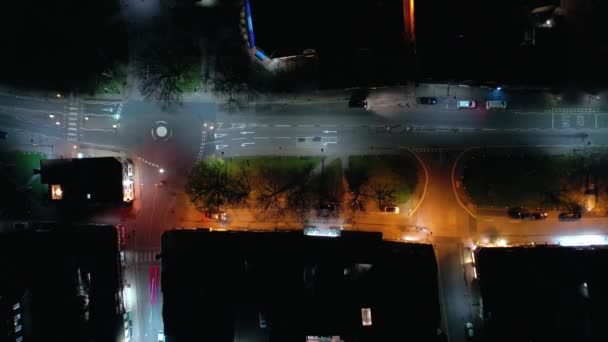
point(172, 140)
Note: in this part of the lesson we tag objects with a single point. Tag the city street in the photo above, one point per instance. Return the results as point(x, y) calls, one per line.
point(165, 144)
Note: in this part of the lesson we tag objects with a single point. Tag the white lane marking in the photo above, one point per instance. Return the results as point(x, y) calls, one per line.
point(72, 124)
point(327, 125)
point(247, 143)
point(247, 132)
point(329, 142)
point(260, 137)
point(96, 129)
point(72, 129)
point(305, 125)
point(219, 147)
point(73, 108)
point(108, 109)
point(219, 125)
point(238, 139)
point(218, 135)
point(71, 133)
point(282, 125)
point(327, 132)
point(282, 137)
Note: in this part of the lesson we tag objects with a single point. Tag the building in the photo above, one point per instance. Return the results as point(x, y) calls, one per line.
point(544, 293)
point(287, 286)
point(107, 180)
point(61, 283)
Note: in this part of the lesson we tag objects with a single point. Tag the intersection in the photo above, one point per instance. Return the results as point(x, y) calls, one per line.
point(172, 140)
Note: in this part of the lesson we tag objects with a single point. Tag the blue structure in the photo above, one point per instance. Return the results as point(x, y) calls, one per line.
point(250, 24)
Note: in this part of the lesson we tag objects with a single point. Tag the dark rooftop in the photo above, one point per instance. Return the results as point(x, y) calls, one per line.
point(64, 281)
point(216, 284)
point(544, 293)
point(97, 178)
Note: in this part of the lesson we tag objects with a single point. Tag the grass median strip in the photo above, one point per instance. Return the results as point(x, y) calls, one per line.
point(533, 178)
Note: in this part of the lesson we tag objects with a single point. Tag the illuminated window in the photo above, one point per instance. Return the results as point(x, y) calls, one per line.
point(366, 317)
point(56, 192)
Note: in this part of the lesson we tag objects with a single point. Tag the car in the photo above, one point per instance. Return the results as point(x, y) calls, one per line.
point(357, 103)
point(427, 100)
point(263, 321)
point(496, 104)
point(219, 215)
point(570, 216)
point(517, 213)
point(536, 216)
point(469, 331)
point(161, 336)
point(466, 104)
point(391, 209)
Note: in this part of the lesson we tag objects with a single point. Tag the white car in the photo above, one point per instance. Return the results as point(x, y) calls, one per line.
point(466, 104)
point(391, 209)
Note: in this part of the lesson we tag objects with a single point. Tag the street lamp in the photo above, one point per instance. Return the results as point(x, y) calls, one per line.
point(51, 116)
point(161, 170)
point(499, 88)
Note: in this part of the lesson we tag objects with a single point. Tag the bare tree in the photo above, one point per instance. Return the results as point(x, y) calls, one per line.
point(382, 193)
point(210, 186)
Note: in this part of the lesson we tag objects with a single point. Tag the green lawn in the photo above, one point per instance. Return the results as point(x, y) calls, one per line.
point(21, 165)
point(287, 165)
point(191, 79)
point(528, 178)
point(113, 84)
point(401, 172)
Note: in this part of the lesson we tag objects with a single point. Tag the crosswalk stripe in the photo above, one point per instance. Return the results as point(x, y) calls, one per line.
point(72, 129)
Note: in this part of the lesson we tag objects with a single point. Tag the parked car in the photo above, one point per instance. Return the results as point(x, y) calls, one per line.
point(536, 216)
point(263, 321)
point(219, 215)
point(469, 331)
point(570, 216)
point(517, 213)
point(466, 104)
point(427, 100)
point(391, 209)
point(496, 104)
point(357, 103)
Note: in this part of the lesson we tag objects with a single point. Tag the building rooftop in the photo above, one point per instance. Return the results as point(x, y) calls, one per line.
point(283, 28)
point(285, 286)
point(94, 180)
point(544, 293)
point(62, 283)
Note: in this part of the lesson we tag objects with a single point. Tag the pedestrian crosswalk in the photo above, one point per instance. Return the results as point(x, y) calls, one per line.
point(146, 257)
point(73, 119)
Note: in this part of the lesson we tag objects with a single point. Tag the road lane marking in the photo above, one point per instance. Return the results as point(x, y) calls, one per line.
point(247, 143)
point(219, 147)
point(329, 142)
point(282, 137)
point(218, 135)
point(72, 129)
point(260, 138)
point(305, 125)
point(327, 132)
point(282, 125)
point(247, 132)
point(239, 139)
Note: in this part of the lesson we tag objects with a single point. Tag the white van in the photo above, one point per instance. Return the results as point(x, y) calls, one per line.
point(466, 104)
point(496, 104)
